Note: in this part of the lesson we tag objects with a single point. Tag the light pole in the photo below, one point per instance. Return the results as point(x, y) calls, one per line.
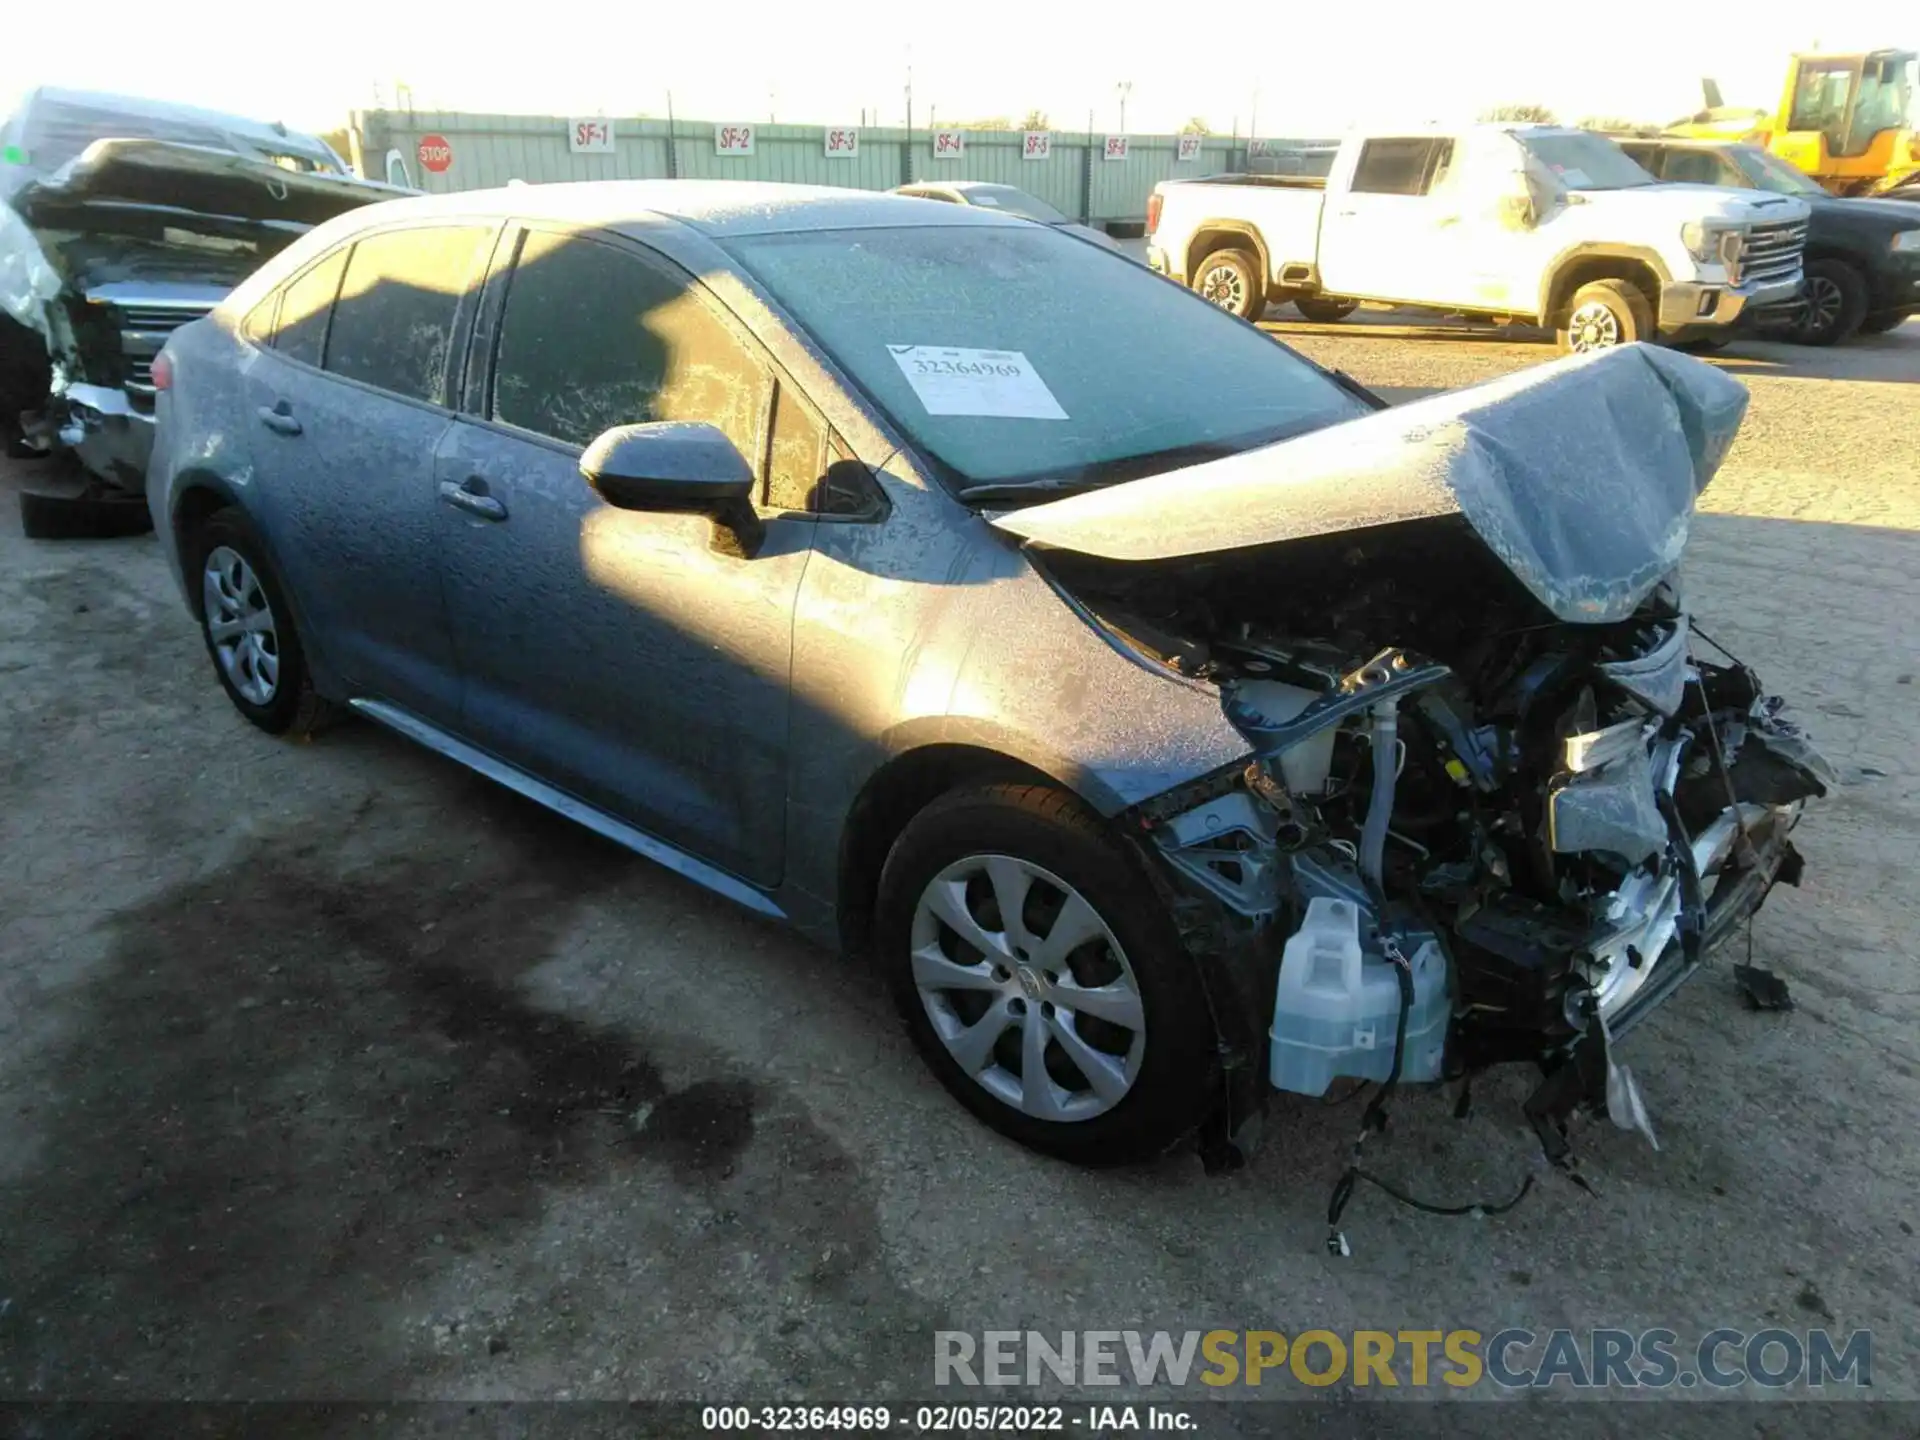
point(1125, 88)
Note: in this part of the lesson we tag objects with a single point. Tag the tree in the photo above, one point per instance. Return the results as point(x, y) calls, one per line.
point(1615, 125)
point(342, 145)
point(1036, 120)
point(992, 122)
point(1196, 126)
point(1527, 114)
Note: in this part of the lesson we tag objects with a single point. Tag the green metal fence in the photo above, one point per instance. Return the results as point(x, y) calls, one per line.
point(475, 151)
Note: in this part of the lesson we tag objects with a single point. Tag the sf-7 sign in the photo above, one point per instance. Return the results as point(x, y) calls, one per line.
point(733, 139)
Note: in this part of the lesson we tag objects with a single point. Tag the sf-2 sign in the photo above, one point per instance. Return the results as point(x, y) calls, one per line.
point(436, 155)
point(949, 144)
point(842, 143)
point(1036, 145)
point(590, 137)
point(733, 139)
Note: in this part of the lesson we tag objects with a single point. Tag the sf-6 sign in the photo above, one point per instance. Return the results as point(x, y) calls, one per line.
point(842, 143)
point(733, 139)
point(590, 137)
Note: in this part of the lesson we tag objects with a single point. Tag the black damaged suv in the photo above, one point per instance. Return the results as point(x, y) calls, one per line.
point(1863, 255)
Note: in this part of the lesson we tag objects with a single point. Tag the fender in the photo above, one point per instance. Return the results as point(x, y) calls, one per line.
point(1230, 227)
point(1595, 249)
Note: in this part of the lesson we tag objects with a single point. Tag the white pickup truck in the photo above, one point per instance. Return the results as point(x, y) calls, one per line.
point(1530, 223)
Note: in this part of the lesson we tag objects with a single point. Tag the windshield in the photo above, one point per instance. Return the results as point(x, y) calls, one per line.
point(1886, 95)
point(1018, 353)
point(1769, 172)
point(1013, 202)
point(1583, 161)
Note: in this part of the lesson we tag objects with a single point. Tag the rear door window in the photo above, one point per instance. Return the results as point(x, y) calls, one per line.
point(1693, 167)
point(393, 324)
point(306, 307)
point(1398, 167)
point(594, 336)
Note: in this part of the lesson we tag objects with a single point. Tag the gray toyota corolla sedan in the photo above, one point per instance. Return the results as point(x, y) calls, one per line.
point(1168, 720)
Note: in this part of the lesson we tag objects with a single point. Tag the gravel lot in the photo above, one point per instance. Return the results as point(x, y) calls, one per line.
point(332, 1071)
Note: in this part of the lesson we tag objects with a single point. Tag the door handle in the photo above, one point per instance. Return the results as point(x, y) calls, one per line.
point(471, 496)
point(1447, 220)
point(278, 418)
point(1346, 214)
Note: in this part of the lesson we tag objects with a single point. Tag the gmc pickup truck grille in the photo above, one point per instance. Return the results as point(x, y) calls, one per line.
point(143, 330)
point(1773, 252)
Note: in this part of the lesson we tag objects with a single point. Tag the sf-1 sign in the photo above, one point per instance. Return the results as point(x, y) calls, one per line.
point(436, 155)
point(843, 143)
point(1116, 148)
point(590, 137)
point(949, 144)
point(733, 139)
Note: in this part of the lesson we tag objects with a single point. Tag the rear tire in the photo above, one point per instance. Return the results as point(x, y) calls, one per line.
point(1836, 304)
point(1231, 279)
point(1111, 1004)
point(1603, 314)
point(248, 629)
point(1322, 311)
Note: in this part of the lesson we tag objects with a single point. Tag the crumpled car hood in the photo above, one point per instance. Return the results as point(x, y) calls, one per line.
point(1580, 475)
point(198, 179)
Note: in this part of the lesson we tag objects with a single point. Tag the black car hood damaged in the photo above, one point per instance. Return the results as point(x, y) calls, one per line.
point(194, 179)
point(1580, 476)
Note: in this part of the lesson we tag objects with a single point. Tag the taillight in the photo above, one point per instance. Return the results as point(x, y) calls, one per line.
point(163, 371)
point(1153, 211)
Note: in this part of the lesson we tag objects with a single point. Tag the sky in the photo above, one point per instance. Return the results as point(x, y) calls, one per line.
point(1317, 70)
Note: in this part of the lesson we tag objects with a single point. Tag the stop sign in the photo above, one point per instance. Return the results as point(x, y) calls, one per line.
point(435, 153)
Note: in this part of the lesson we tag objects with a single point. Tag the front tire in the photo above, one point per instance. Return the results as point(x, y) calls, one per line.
point(248, 629)
point(1883, 322)
point(1836, 304)
point(1604, 314)
point(1041, 977)
point(1231, 279)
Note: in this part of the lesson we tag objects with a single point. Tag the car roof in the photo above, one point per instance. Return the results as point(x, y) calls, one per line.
point(716, 208)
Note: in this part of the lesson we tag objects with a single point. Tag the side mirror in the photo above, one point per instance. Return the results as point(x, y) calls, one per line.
point(676, 467)
point(1516, 211)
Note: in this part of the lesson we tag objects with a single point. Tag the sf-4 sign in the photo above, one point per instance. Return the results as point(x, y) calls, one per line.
point(949, 144)
point(1036, 145)
point(590, 137)
point(842, 143)
point(733, 139)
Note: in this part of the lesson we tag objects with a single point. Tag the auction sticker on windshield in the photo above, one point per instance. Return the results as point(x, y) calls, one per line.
point(951, 380)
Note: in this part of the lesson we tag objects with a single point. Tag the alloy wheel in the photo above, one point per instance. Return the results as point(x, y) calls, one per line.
point(241, 626)
point(1592, 327)
point(1028, 988)
point(1824, 302)
point(1224, 286)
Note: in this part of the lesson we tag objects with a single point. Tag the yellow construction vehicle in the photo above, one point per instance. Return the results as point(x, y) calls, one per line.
point(1847, 120)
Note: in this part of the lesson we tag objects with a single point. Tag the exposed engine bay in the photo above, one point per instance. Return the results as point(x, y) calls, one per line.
point(1573, 813)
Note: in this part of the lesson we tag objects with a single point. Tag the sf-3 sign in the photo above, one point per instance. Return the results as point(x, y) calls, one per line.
point(842, 143)
point(733, 139)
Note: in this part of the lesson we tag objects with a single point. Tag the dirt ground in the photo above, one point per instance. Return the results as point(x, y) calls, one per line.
point(330, 1070)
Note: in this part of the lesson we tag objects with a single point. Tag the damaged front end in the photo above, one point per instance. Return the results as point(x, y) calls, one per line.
point(1490, 796)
